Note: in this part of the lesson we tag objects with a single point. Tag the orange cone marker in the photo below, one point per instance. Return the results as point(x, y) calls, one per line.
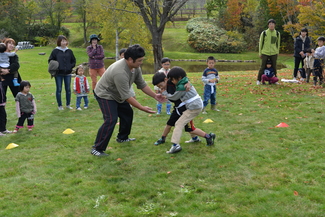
point(282, 124)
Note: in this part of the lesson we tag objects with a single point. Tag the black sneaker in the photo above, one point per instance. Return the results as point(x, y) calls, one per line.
point(125, 140)
point(160, 141)
point(210, 141)
point(98, 153)
point(174, 149)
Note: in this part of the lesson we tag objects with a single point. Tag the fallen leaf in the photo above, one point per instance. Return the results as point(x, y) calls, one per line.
point(119, 159)
point(168, 172)
point(296, 193)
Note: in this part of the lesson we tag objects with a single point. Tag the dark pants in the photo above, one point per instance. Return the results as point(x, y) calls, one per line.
point(23, 117)
point(308, 71)
point(273, 59)
point(318, 71)
point(111, 111)
point(14, 90)
point(3, 118)
point(298, 60)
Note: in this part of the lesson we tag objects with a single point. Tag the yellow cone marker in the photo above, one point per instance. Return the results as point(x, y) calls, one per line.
point(208, 121)
point(68, 131)
point(12, 145)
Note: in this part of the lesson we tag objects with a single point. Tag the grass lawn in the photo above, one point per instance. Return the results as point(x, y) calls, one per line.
point(254, 168)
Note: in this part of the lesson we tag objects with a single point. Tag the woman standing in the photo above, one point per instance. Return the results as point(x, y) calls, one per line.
point(96, 59)
point(302, 43)
point(67, 61)
point(7, 75)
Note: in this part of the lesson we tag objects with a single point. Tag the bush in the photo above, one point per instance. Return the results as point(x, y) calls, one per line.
point(206, 37)
point(46, 30)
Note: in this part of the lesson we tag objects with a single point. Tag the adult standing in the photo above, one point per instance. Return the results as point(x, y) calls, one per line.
point(302, 43)
point(67, 61)
point(8, 74)
point(96, 59)
point(269, 47)
point(114, 98)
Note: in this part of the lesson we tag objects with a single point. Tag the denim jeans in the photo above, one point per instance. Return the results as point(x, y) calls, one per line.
point(79, 101)
point(67, 85)
point(209, 96)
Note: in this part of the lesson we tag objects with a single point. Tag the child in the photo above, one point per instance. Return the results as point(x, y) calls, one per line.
point(4, 61)
point(308, 63)
point(319, 54)
point(269, 74)
point(81, 87)
point(165, 63)
point(25, 107)
point(190, 99)
point(3, 114)
point(210, 77)
point(164, 84)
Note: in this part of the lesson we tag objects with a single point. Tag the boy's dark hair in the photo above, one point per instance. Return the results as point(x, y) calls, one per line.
point(3, 47)
point(24, 84)
point(165, 59)
point(271, 21)
point(135, 52)
point(211, 58)
point(308, 50)
point(122, 51)
point(321, 38)
point(60, 38)
point(176, 72)
point(77, 69)
point(158, 77)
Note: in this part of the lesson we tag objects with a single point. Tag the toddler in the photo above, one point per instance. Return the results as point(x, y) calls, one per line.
point(4, 61)
point(210, 77)
point(25, 107)
point(269, 74)
point(308, 63)
point(81, 87)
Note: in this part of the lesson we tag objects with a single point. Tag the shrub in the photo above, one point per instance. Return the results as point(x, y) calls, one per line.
point(205, 36)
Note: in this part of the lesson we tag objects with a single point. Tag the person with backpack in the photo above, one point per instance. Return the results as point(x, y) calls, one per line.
point(269, 46)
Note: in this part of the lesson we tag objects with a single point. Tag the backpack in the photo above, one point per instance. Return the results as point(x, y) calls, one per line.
point(264, 34)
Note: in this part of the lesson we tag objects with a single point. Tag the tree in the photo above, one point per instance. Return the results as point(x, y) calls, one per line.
point(81, 10)
point(155, 14)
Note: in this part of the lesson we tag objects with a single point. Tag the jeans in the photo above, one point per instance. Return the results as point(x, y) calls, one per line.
point(79, 101)
point(208, 95)
point(67, 85)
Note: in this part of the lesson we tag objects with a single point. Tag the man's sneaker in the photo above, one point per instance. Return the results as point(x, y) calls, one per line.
point(2, 134)
point(258, 82)
point(6, 132)
point(210, 140)
point(160, 141)
point(85, 107)
point(60, 108)
point(193, 140)
point(98, 153)
point(79, 109)
point(174, 149)
point(69, 107)
point(125, 140)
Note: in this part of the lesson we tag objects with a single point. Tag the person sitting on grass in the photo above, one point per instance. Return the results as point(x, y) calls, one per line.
point(269, 74)
point(190, 99)
point(160, 80)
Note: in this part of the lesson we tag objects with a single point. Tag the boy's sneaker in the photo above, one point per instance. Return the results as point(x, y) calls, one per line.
point(193, 140)
point(174, 149)
point(6, 132)
point(160, 141)
point(79, 109)
point(210, 140)
point(60, 108)
point(125, 140)
point(98, 153)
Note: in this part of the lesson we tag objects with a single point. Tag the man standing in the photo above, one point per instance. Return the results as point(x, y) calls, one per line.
point(269, 46)
point(114, 98)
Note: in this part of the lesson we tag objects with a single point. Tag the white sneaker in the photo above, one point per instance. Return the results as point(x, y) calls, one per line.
point(85, 107)
point(174, 149)
point(2, 134)
point(61, 108)
point(79, 109)
point(258, 82)
point(192, 140)
point(69, 107)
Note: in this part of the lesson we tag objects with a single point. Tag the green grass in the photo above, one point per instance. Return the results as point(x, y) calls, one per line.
point(253, 169)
